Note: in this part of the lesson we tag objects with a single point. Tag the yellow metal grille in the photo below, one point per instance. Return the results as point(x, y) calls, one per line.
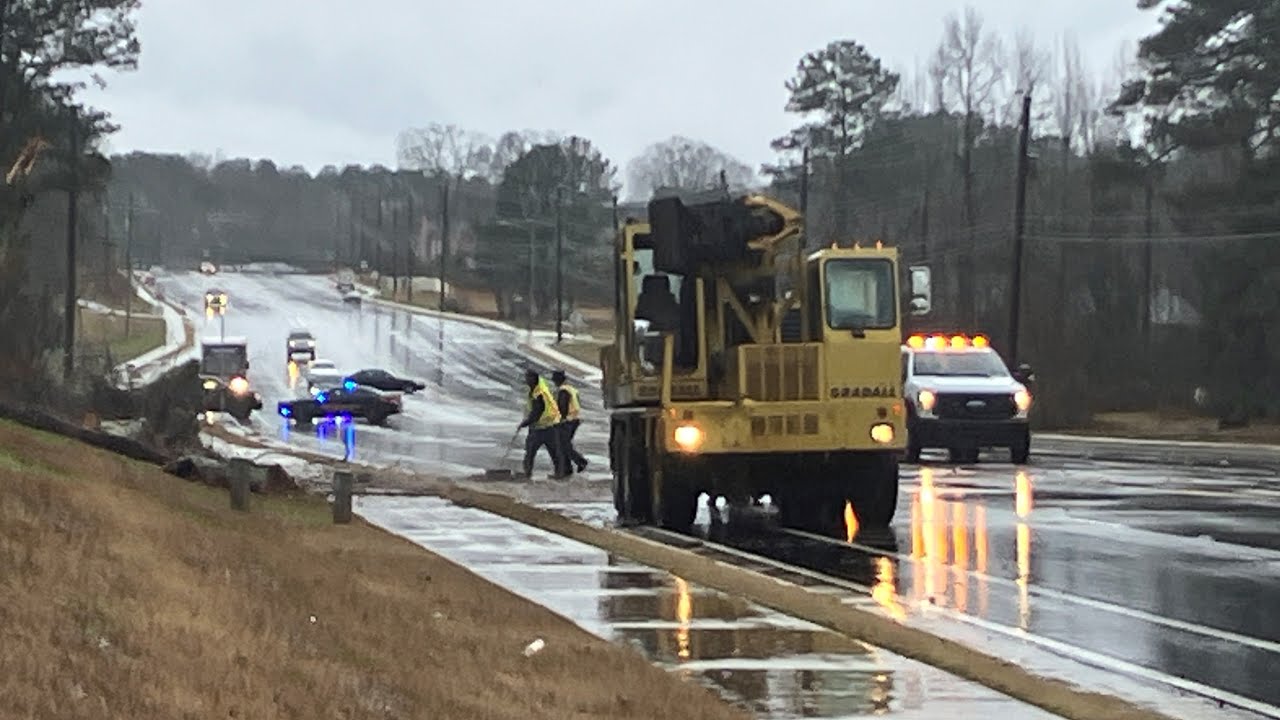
point(780, 372)
point(797, 424)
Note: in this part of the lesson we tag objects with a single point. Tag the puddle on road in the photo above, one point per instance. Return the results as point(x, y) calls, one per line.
point(774, 665)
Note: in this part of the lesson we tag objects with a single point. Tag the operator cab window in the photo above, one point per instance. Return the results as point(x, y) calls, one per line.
point(667, 304)
point(861, 294)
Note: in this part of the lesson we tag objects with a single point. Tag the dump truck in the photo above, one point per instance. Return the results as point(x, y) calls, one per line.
point(746, 364)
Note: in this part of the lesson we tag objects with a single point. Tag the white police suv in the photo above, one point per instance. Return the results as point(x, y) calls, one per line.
point(961, 396)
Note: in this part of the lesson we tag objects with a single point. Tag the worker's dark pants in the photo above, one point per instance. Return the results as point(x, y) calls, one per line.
point(549, 438)
point(568, 429)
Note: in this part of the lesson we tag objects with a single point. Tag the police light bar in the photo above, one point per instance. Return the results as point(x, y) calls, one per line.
point(939, 341)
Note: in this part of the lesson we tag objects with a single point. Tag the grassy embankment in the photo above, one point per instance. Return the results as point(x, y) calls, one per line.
point(96, 330)
point(129, 593)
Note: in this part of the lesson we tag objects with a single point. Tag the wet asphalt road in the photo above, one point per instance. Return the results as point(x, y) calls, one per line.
point(461, 424)
point(1171, 569)
point(1154, 572)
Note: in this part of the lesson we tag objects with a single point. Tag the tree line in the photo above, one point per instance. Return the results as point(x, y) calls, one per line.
point(1152, 210)
point(49, 150)
point(1151, 196)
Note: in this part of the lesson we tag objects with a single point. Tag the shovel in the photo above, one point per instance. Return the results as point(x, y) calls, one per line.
point(503, 473)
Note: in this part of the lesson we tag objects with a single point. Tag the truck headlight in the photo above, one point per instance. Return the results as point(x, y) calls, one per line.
point(238, 386)
point(689, 437)
point(926, 399)
point(882, 433)
point(1022, 399)
point(210, 384)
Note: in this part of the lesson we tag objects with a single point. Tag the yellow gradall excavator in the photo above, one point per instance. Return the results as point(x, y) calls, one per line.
point(742, 366)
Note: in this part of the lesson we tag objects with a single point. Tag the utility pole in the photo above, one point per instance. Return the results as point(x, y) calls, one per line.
point(128, 265)
point(444, 242)
point(560, 266)
point(528, 301)
point(408, 250)
point(1148, 252)
point(377, 244)
point(108, 262)
point(73, 211)
point(395, 250)
point(804, 195)
point(1019, 226)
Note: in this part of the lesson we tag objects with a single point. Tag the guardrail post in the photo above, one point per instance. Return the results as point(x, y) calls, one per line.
point(239, 478)
point(342, 484)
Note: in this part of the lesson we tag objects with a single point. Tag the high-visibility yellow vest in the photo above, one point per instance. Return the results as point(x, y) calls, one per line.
point(550, 411)
point(575, 407)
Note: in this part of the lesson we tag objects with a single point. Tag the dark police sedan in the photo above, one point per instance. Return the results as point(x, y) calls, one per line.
point(347, 402)
point(383, 380)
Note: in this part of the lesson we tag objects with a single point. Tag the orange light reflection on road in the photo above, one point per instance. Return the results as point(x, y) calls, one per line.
point(1022, 494)
point(1023, 504)
point(960, 541)
point(885, 590)
point(946, 542)
point(981, 546)
point(850, 522)
point(684, 614)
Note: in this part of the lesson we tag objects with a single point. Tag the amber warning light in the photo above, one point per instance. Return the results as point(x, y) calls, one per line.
point(943, 342)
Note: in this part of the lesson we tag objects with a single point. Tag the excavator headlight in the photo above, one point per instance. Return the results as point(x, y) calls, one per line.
point(689, 438)
point(882, 433)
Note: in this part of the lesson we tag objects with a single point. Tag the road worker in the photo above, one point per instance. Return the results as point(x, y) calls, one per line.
point(570, 417)
point(542, 419)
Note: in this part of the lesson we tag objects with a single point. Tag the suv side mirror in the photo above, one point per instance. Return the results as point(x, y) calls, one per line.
point(921, 289)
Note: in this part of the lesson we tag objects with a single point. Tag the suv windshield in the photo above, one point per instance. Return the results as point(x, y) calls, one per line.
point(861, 294)
point(960, 364)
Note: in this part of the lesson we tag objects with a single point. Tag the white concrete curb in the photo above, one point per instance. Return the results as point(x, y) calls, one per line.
point(145, 368)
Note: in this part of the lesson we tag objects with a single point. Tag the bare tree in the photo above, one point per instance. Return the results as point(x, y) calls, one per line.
point(680, 163)
point(513, 145)
point(971, 58)
point(938, 70)
point(1030, 67)
point(444, 150)
point(1070, 85)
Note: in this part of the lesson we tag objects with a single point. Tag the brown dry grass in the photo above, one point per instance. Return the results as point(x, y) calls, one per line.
point(145, 334)
point(1168, 426)
point(130, 594)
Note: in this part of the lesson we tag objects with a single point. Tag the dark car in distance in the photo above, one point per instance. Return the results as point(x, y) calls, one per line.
point(383, 380)
point(349, 401)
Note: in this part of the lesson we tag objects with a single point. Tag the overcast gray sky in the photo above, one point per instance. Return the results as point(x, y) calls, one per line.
point(316, 82)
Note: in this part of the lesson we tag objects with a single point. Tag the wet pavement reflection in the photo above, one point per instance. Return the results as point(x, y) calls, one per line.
point(459, 425)
point(776, 666)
